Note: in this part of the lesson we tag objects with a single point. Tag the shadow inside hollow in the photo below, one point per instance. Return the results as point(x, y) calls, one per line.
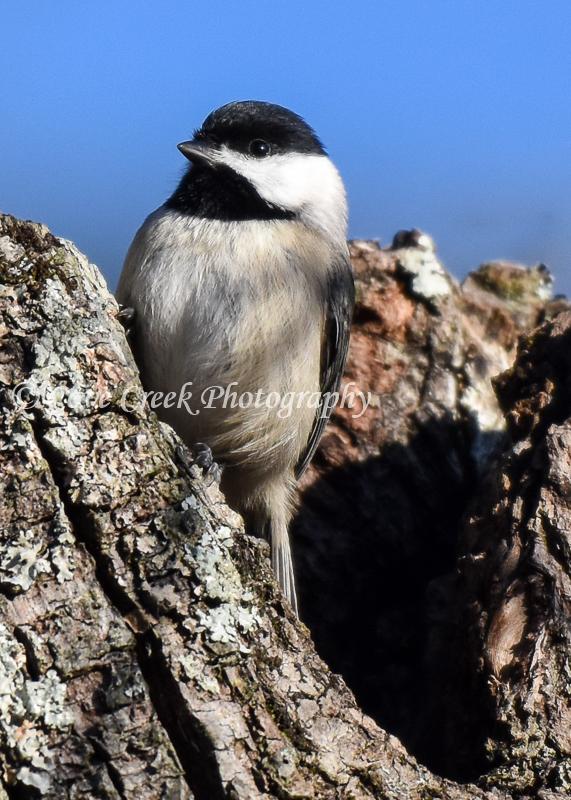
point(373, 544)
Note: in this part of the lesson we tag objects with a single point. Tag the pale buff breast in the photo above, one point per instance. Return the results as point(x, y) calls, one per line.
point(227, 303)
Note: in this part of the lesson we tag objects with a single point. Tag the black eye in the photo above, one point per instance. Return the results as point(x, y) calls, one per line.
point(259, 149)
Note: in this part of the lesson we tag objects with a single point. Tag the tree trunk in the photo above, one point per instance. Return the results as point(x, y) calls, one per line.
point(145, 649)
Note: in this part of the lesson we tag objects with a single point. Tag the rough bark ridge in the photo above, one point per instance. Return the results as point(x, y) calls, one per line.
point(145, 649)
point(508, 607)
point(384, 500)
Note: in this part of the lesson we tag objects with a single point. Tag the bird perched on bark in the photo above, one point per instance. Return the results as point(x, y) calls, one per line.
point(242, 281)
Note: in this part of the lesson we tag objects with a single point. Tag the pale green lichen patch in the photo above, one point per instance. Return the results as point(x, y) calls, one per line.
point(43, 544)
point(193, 669)
point(22, 560)
point(29, 711)
point(213, 566)
point(62, 548)
point(59, 381)
point(225, 625)
point(230, 614)
point(45, 699)
point(428, 277)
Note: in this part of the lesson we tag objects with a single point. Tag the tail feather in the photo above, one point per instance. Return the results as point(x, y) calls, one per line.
point(282, 562)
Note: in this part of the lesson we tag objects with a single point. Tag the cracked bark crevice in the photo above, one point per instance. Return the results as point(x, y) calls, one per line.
point(189, 738)
point(114, 775)
point(83, 525)
point(183, 731)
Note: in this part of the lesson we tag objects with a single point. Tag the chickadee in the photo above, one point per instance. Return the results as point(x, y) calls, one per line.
point(242, 279)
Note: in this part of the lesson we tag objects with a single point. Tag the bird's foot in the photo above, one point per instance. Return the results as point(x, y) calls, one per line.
point(126, 317)
point(203, 458)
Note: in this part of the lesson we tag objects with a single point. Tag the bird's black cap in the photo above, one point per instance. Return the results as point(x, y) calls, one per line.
point(236, 124)
point(213, 190)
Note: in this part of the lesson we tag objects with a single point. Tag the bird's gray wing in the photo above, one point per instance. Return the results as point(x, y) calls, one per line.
point(338, 313)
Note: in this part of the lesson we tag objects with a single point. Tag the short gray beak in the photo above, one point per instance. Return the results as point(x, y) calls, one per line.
point(197, 151)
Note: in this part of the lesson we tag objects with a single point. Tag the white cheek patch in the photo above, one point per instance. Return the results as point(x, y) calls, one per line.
point(304, 183)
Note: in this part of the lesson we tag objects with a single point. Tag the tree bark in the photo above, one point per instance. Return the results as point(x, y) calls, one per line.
point(507, 607)
point(384, 501)
point(145, 648)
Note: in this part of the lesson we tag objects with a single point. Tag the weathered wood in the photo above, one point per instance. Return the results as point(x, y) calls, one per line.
point(382, 507)
point(507, 608)
point(145, 649)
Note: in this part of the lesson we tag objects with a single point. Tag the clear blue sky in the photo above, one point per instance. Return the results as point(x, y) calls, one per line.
point(448, 115)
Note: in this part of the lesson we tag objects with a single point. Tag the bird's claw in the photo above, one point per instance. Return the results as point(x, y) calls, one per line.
point(126, 316)
point(201, 456)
